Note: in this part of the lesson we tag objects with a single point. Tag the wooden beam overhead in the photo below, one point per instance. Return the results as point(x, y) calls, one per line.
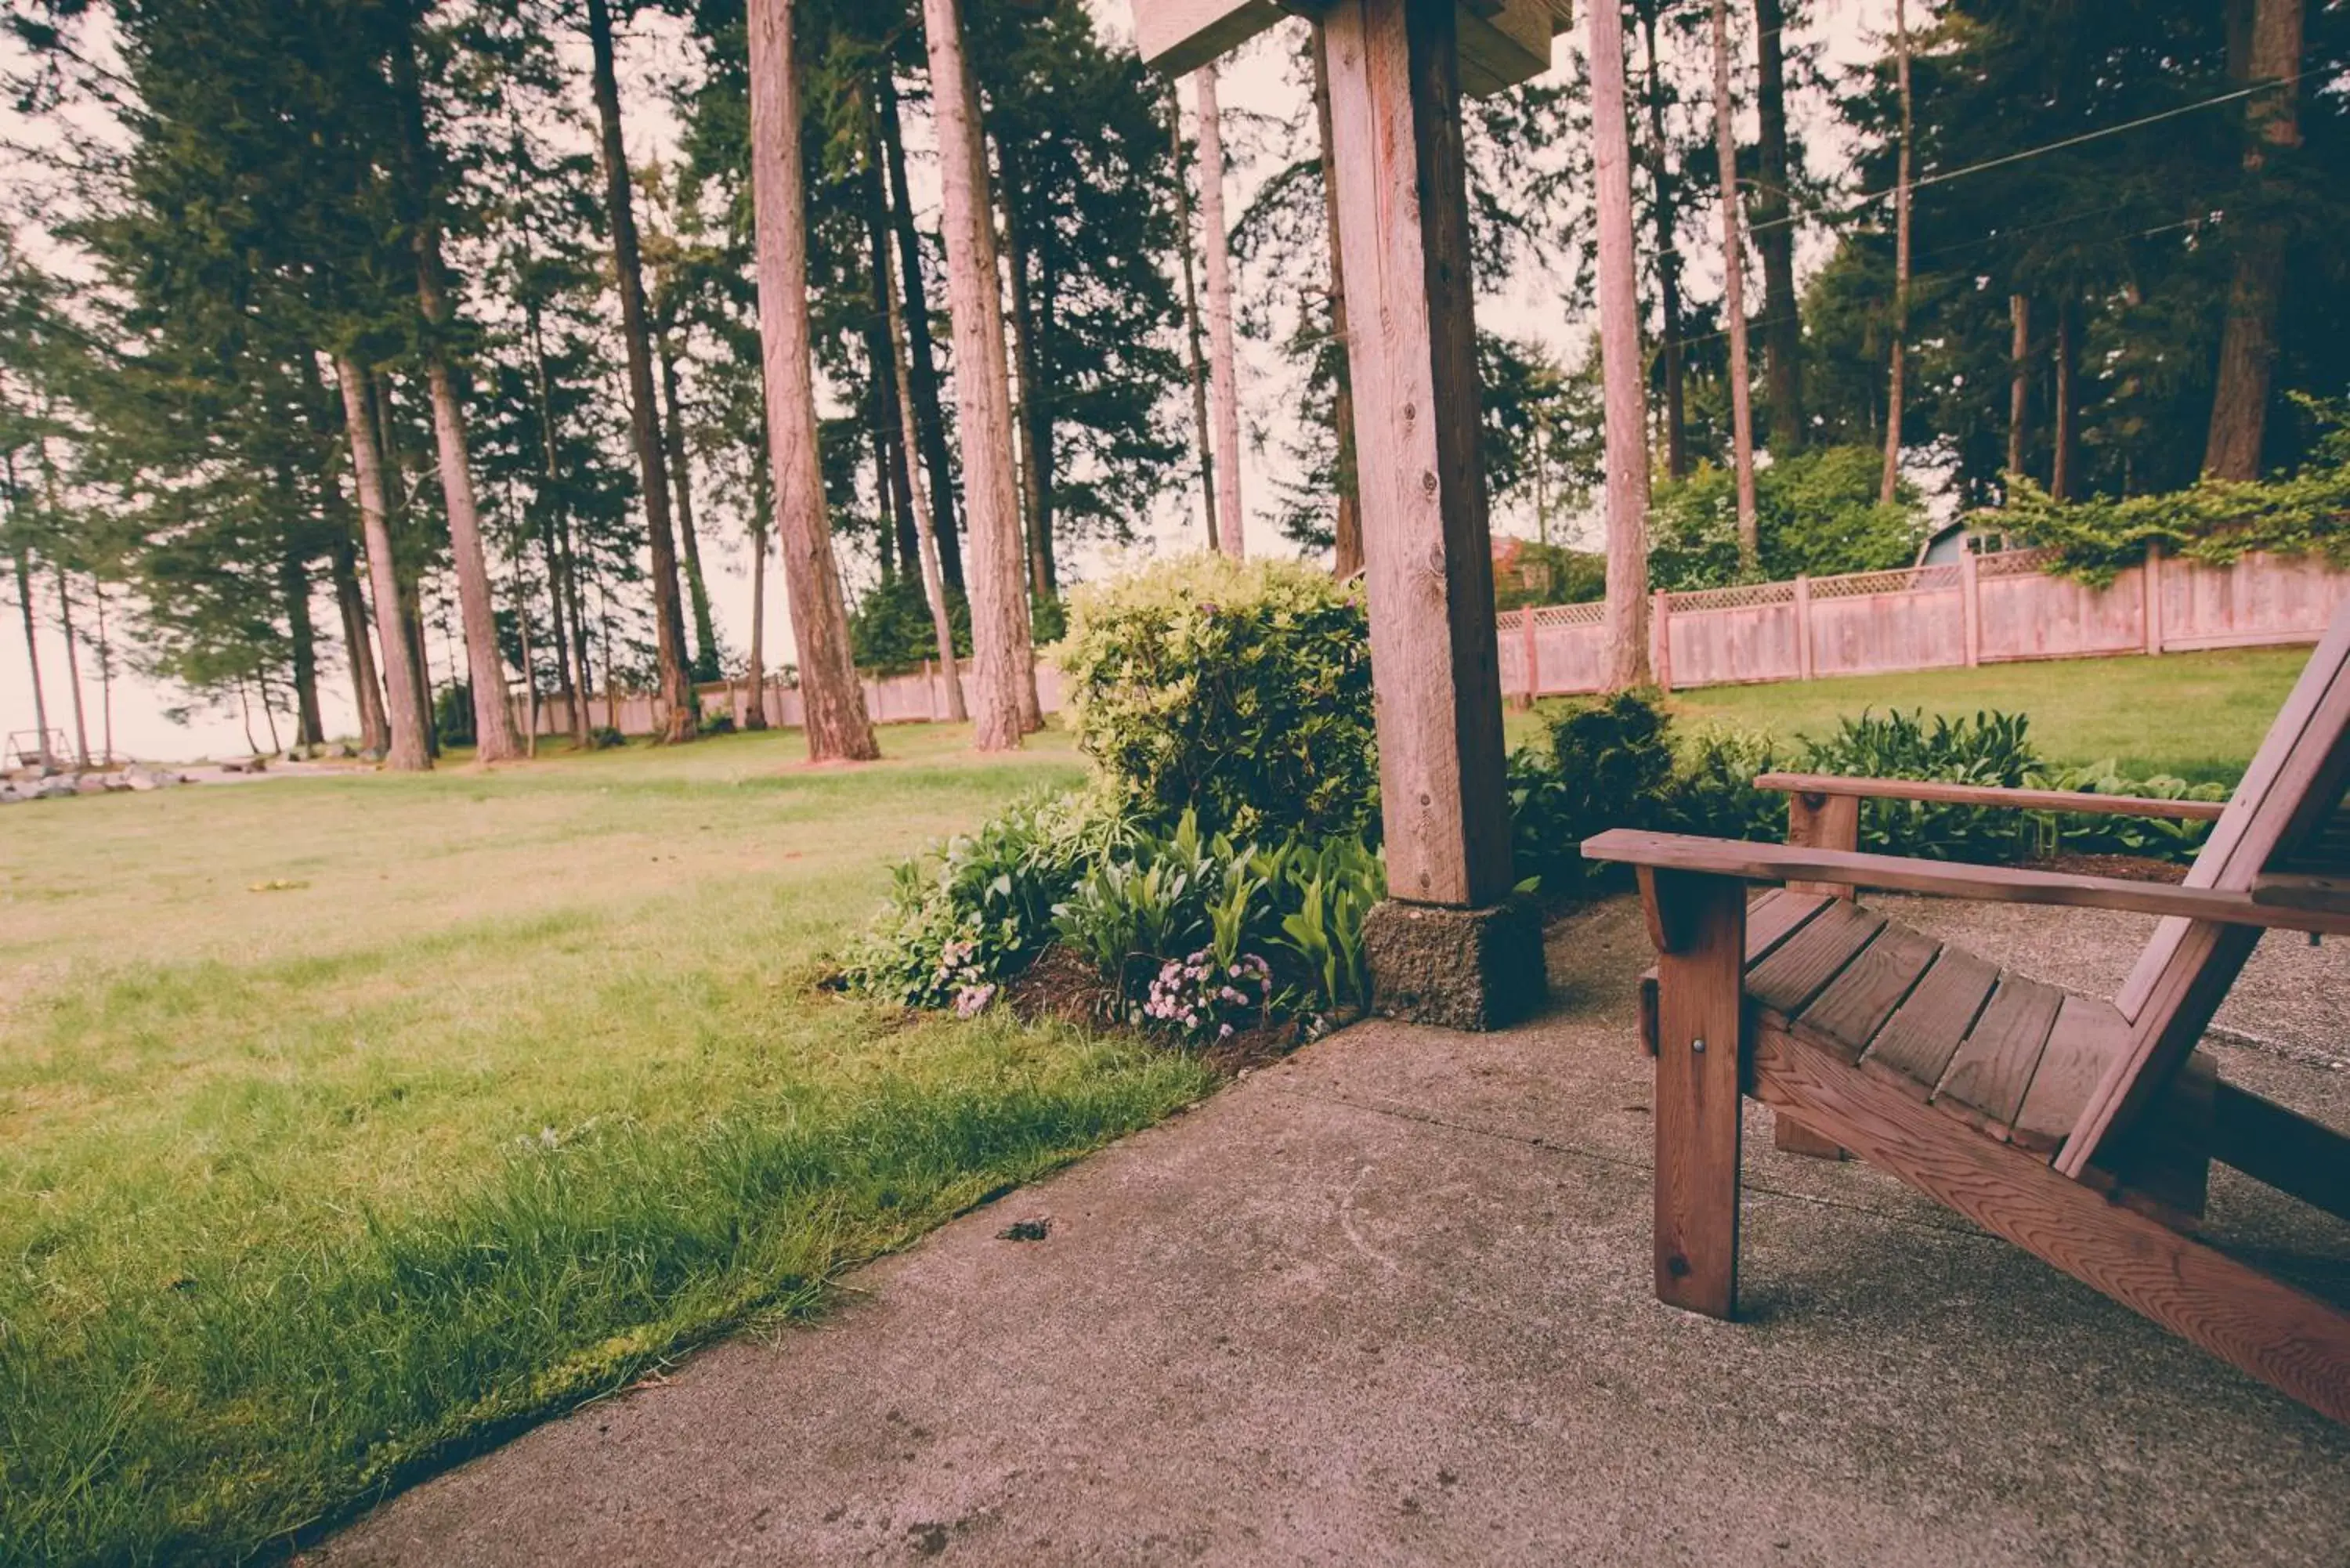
point(1501, 42)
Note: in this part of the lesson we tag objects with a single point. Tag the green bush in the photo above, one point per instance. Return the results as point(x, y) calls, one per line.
point(2079, 832)
point(1816, 513)
point(1713, 793)
point(1990, 749)
point(891, 632)
point(1241, 691)
point(1608, 766)
point(2213, 521)
point(978, 908)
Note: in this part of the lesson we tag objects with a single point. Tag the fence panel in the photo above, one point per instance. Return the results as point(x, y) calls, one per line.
point(1988, 608)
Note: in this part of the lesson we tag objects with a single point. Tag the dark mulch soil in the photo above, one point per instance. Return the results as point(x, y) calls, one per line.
point(2128, 867)
point(1064, 986)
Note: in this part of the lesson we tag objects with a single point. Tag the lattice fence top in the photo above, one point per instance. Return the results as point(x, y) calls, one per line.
point(2017, 563)
point(1549, 616)
point(1741, 595)
point(1948, 577)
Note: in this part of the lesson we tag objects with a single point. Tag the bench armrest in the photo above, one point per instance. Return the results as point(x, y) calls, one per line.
point(1952, 879)
point(1832, 785)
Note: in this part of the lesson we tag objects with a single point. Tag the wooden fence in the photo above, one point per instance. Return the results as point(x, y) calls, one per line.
point(1978, 610)
point(918, 697)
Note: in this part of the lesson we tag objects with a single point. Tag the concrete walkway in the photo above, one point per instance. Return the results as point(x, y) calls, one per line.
point(1390, 1303)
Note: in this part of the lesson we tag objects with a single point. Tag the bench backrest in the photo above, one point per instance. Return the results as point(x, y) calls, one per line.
point(2287, 814)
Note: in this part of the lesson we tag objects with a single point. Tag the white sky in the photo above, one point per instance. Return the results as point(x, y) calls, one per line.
point(655, 51)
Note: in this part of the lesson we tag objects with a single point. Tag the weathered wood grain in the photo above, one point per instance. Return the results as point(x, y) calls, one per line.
point(1831, 786)
point(1847, 1015)
point(1802, 965)
point(1403, 220)
point(1700, 1013)
point(1918, 1041)
point(1947, 880)
point(2087, 1036)
point(1986, 1079)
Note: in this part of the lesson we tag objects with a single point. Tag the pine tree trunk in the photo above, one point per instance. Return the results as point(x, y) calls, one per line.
point(933, 582)
point(754, 668)
point(837, 727)
point(73, 670)
point(406, 573)
point(920, 357)
point(644, 424)
point(1619, 349)
point(562, 573)
point(1002, 669)
point(680, 464)
point(293, 580)
point(105, 673)
point(899, 460)
point(1733, 300)
point(1774, 236)
point(1224, 372)
point(1888, 486)
point(1668, 263)
point(2019, 383)
point(2061, 475)
point(1348, 555)
point(367, 687)
point(494, 732)
point(33, 653)
point(1195, 355)
point(2248, 342)
point(1033, 416)
point(410, 750)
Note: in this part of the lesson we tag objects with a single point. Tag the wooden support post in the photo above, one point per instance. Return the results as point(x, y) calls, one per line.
point(1822, 821)
point(1803, 626)
point(1403, 230)
point(2150, 583)
point(1699, 922)
point(1970, 606)
point(1660, 640)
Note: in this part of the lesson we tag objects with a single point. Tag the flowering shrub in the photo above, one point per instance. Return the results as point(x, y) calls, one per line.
point(1206, 1000)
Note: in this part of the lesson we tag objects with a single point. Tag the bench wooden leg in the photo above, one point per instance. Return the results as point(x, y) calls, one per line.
point(1700, 925)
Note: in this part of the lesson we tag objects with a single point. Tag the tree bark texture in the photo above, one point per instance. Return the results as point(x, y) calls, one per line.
point(676, 688)
point(367, 685)
point(1195, 355)
point(2019, 383)
point(1003, 667)
point(926, 538)
point(410, 720)
point(2248, 342)
point(1224, 373)
point(1774, 236)
point(680, 464)
point(1733, 299)
point(1888, 485)
point(494, 739)
point(834, 701)
point(1034, 413)
point(921, 359)
point(1619, 351)
point(1671, 350)
point(1348, 526)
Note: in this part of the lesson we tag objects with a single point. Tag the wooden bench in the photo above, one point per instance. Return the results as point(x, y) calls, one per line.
point(2082, 1129)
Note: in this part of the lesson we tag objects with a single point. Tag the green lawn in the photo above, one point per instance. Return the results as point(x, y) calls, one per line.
point(346, 1123)
point(2196, 715)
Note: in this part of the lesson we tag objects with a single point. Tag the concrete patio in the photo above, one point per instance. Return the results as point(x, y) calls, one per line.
point(1390, 1303)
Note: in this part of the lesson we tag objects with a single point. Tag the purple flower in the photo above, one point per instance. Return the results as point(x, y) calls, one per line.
point(1226, 1032)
